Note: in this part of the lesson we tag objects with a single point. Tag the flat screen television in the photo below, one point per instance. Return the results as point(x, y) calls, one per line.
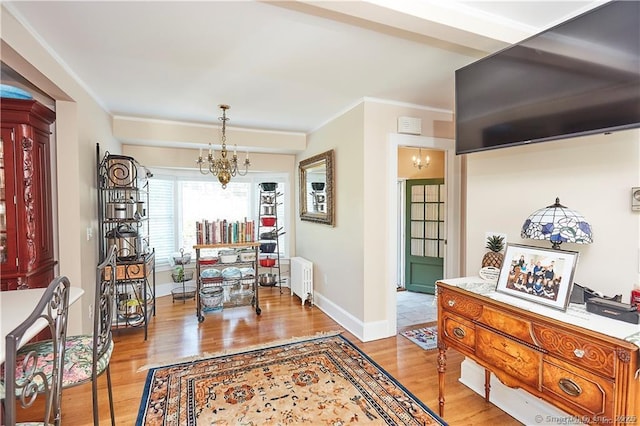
point(577, 78)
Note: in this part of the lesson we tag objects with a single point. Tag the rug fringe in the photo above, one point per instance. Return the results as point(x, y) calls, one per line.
point(205, 355)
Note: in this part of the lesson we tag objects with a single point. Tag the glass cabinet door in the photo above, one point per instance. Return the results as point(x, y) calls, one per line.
point(3, 208)
point(8, 231)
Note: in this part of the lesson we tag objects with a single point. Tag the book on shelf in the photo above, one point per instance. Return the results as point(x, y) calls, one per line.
point(222, 231)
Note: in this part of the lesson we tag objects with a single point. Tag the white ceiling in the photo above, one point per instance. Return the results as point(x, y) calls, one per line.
point(288, 66)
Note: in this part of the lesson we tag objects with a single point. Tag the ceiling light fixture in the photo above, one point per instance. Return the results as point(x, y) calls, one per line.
point(417, 161)
point(223, 167)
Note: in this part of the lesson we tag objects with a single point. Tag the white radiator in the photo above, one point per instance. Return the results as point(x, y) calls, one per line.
point(302, 279)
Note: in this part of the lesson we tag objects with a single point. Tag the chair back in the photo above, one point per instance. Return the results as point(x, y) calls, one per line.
point(104, 305)
point(53, 308)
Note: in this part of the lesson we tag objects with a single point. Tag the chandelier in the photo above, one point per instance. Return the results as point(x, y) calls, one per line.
point(223, 167)
point(417, 161)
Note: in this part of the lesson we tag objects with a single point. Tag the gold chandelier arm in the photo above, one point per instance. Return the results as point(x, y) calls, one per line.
point(246, 164)
point(200, 162)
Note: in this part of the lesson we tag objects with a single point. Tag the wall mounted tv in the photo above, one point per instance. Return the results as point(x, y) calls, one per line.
point(577, 78)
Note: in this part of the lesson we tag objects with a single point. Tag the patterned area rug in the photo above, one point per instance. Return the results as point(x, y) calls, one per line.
point(321, 380)
point(426, 338)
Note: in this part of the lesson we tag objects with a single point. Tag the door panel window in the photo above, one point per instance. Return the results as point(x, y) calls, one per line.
point(427, 220)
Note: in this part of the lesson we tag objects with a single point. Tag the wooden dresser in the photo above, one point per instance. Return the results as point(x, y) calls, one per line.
point(580, 369)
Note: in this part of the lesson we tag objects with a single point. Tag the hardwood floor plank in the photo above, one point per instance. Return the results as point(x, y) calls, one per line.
point(175, 334)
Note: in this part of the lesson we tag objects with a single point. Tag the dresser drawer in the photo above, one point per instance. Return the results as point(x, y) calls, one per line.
point(508, 324)
point(587, 353)
point(509, 357)
point(459, 304)
point(583, 392)
point(459, 331)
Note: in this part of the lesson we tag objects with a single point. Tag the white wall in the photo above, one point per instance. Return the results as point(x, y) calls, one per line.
point(337, 252)
point(380, 121)
point(351, 262)
point(591, 174)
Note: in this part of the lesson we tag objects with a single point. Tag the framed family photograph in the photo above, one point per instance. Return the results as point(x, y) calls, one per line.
point(540, 275)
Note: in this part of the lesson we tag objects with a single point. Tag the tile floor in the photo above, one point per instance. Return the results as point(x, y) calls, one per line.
point(415, 308)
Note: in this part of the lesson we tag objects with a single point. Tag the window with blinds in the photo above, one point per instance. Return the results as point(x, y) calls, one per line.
point(162, 234)
point(177, 201)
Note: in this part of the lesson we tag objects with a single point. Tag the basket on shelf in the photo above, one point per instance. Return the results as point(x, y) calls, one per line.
point(180, 293)
point(241, 298)
point(182, 259)
point(178, 276)
point(211, 298)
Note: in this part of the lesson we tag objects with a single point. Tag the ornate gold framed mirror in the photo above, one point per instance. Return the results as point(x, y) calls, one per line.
point(316, 188)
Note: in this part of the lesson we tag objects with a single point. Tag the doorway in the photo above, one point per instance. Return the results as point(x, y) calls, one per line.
point(397, 225)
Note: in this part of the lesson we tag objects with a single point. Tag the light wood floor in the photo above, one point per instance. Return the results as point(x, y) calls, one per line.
point(175, 333)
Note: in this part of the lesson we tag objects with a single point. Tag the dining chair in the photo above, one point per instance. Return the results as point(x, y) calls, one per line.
point(89, 355)
point(22, 378)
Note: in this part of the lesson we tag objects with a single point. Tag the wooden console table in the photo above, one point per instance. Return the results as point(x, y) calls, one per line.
point(589, 373)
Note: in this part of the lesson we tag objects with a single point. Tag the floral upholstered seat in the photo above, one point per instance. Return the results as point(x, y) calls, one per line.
point(29, 374)
point(78, 359)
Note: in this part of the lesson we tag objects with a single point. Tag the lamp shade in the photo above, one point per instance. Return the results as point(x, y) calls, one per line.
point(557, 224)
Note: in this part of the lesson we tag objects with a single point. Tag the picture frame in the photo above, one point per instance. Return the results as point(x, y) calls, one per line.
point(539, 275)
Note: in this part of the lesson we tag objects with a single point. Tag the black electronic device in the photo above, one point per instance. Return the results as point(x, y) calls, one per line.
point(581, 295)
point(577, 78)
point(613, 309)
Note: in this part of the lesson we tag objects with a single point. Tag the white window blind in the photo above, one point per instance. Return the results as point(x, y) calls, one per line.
point(162, 231)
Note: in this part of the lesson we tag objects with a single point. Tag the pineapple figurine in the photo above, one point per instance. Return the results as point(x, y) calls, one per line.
point(494, 257)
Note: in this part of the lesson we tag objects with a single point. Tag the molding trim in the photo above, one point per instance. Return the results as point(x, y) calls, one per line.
point(365, 332)
point(204, 125)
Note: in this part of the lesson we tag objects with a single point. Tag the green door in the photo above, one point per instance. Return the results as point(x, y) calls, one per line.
point(425, 234)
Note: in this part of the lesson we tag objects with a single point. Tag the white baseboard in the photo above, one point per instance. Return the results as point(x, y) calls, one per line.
point(363, 331)
point(519, 404)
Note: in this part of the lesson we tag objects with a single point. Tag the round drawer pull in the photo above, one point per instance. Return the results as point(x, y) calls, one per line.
point(459, 333)
point(451, 302)
point(569, 387)
point(578, 353)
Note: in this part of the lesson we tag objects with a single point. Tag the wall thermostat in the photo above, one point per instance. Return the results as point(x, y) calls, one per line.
point(635, 198)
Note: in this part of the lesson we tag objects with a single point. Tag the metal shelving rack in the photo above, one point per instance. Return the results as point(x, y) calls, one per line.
point(183, 291)
point(206, 282)
point(270, 234)
point(123, 200)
